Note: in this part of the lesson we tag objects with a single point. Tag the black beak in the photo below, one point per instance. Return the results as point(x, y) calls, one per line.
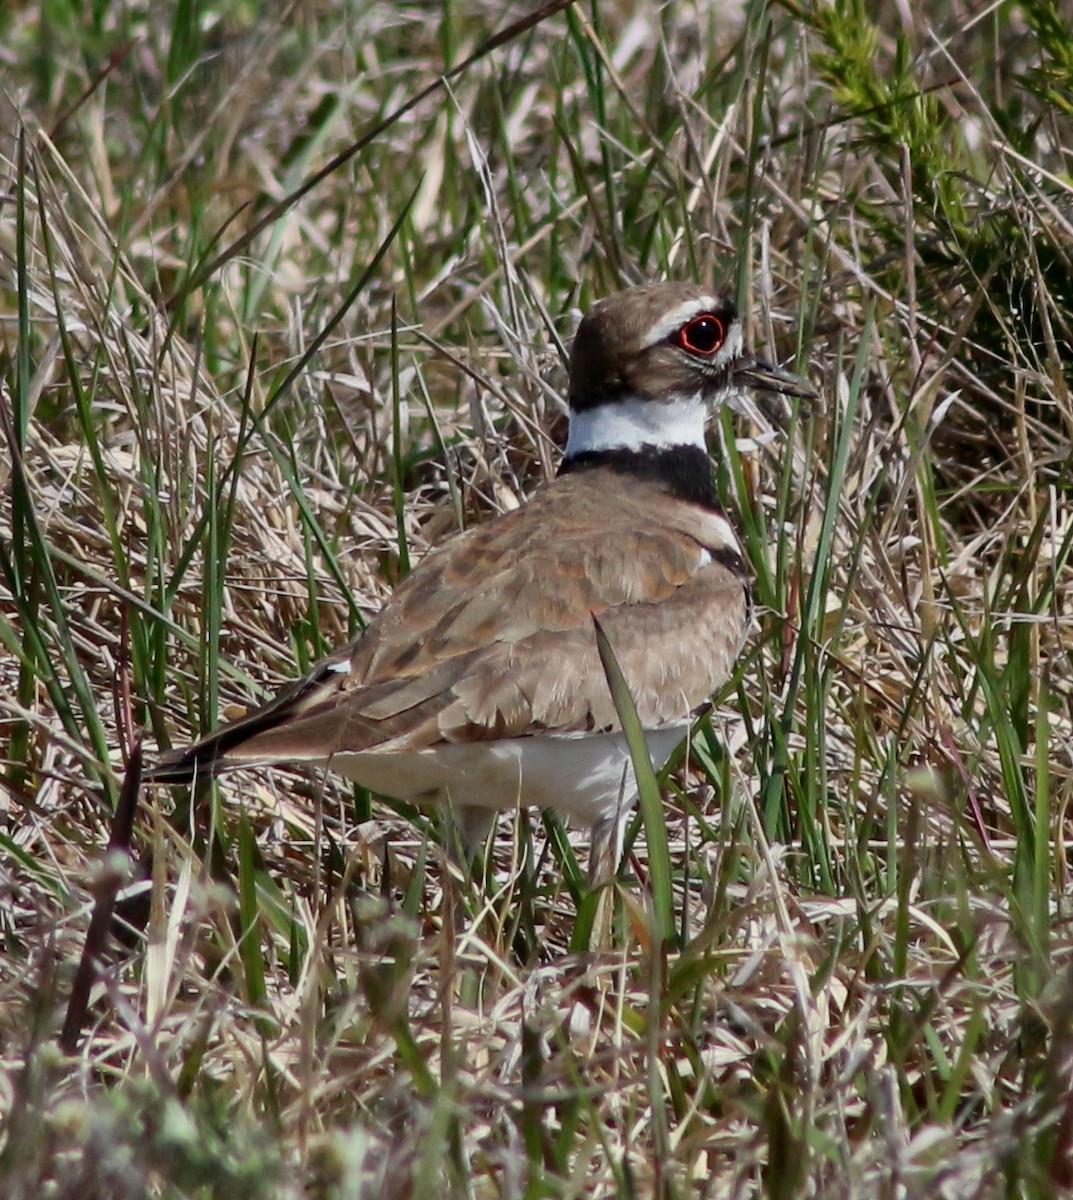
point(755, 373)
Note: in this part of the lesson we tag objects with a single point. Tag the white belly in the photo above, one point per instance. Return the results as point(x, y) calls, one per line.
point(584, 776)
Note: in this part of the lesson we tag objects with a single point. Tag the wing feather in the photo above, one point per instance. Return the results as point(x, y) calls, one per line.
point(492, 635)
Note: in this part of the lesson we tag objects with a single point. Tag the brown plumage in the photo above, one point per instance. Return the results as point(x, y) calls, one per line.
point(480, 682)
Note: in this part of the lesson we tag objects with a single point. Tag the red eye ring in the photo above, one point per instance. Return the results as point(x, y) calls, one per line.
point(704, 335)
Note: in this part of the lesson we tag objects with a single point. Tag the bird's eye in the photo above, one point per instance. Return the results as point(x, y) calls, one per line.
point(703, 335)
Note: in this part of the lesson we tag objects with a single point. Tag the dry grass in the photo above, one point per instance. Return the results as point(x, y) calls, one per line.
point(211, 478)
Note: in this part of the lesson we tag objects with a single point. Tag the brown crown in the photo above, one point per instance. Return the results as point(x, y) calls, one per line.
point(614, 353)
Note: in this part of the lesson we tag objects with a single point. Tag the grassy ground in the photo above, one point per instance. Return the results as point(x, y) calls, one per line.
point(235, 408)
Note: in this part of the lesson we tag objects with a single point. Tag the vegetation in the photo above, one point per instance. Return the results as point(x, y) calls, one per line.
point(284, 295)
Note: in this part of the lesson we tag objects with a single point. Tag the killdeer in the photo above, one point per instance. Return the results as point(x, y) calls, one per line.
point(479, 683)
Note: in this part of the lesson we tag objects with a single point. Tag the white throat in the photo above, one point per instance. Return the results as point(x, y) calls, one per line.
point(631, 422)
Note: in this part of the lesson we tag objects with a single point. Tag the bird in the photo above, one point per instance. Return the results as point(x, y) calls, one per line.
point(479, 683)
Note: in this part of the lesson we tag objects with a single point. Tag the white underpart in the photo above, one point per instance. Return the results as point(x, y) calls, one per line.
point(719, 534)
point(630, 422)
point(585, 777)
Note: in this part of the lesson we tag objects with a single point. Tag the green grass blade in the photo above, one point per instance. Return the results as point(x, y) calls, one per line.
point(651, 802)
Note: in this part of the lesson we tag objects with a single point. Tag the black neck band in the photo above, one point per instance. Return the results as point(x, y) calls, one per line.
point(685, 471)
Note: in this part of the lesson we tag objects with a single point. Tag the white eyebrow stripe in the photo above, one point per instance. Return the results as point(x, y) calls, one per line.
point(676, 318)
